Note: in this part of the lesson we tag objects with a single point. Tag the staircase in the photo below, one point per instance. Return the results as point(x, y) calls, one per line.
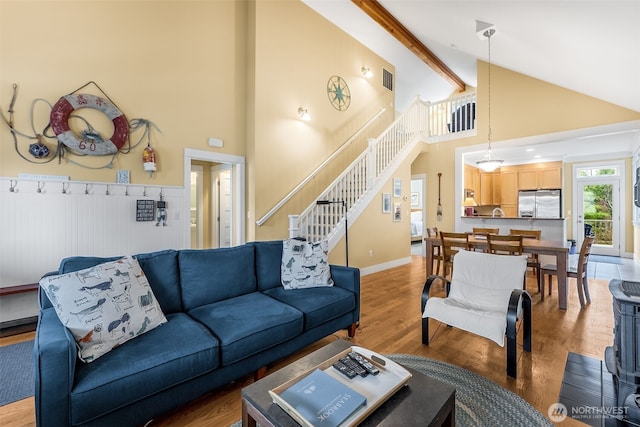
point(349, 194)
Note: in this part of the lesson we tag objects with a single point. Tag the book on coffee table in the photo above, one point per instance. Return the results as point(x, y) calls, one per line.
point(375, 389)
point(321, 400)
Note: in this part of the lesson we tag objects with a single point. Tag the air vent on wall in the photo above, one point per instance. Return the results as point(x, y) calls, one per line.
point(387, 79)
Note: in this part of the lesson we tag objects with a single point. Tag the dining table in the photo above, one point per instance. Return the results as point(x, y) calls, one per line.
point(558, 249)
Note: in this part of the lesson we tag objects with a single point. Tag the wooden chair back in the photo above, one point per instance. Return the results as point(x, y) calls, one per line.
point(504, 244)
point(436, 253)
point(451, 243)
point(527, 234)
point(477, 231)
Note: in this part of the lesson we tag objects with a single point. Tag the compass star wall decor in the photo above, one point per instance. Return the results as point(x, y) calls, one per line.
point(338, 93)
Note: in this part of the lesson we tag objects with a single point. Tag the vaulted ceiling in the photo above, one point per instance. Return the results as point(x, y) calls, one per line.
point(591, 47)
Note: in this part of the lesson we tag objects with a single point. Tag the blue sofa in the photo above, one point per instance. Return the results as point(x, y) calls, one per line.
point(228, 316)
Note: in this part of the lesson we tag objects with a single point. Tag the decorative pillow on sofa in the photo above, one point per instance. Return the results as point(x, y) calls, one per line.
point(104, 306)
point(305, 264)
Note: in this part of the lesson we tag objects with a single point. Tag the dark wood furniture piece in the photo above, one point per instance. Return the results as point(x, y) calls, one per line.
point(579, 272)
point(451, 243)
point(558, 249)
point(533, 260)
point(504, 244)
point(424, 401)
point(436, 254)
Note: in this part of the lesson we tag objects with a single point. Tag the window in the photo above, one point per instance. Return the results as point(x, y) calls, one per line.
point(597, 171)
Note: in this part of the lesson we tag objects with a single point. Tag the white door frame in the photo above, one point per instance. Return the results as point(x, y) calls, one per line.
point(618, 200)
point(200, 215)
point(237, 170)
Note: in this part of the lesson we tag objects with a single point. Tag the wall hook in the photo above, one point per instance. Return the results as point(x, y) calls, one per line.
point(12, 185)
point(106, 193)
point(64, 187)
point(144, 191)
point(40, 186)
point(126, 190)
point(86, 189)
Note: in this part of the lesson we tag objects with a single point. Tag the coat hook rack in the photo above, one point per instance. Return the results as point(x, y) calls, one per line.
point(12, 185)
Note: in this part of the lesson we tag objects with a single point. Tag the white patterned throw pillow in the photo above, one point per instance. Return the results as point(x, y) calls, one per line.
point(104, 306)
point(305, 264)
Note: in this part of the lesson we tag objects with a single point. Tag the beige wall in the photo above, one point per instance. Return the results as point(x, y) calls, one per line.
point(235, 70)
point(520, 106)
point(177, 64)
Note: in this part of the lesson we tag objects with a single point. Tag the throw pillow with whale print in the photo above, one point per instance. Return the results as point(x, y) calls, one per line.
point(305, 264)
point(104, 306)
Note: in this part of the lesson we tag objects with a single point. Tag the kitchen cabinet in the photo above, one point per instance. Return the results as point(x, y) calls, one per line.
point(509, 190)
point(490, 189)
point(472, 179)
point(543, 176)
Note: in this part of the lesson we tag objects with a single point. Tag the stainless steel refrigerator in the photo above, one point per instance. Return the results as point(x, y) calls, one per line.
point(540, 203)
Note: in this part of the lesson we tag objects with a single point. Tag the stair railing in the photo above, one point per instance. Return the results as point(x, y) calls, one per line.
point(326, 221)
point(335, 154)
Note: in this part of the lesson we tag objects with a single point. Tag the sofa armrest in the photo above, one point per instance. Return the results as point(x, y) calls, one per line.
point(55, 355)
point(427, 288)
point(348, 278)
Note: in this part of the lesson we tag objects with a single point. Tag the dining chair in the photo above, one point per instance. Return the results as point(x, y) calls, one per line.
point(504, 244)
point(483, 233)
point(436, 251)
point(532, 260)
point(451, 244)
point(579, 272)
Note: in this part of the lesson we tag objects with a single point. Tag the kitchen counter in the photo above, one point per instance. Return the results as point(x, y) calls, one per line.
point(552, 228)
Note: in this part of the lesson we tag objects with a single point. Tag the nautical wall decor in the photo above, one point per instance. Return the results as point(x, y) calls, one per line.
point(58, 132)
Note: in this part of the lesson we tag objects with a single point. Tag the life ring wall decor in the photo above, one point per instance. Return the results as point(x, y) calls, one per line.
point(59, 121)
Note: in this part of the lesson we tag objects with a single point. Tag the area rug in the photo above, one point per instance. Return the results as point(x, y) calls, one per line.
point(479, 401)
point(605, 259)
point(16, 371)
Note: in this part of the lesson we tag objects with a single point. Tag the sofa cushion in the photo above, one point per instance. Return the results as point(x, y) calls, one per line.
point(305, 264)
point(160, 267)
point(319, 305)
point(104, 306)
point(211, 275)
point(249, 324)
point(142, 367)
point(268, 260)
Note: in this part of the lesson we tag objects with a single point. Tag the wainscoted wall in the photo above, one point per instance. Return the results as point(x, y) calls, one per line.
point(39, 228)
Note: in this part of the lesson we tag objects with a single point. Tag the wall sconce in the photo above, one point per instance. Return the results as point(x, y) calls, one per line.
point(366, 72)
point(303, 113)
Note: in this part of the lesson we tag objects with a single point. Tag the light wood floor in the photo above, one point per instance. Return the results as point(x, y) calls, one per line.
point(390, 323)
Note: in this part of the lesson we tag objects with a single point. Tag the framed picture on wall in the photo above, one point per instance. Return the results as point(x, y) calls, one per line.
point(415, 199)
point(397, 212)
point(397, 187)
point(386, 203)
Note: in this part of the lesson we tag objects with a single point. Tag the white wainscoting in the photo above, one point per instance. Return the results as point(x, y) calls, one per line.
point(38, 229)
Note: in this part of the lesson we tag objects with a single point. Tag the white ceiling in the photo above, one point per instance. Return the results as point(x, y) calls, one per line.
point(591, 47)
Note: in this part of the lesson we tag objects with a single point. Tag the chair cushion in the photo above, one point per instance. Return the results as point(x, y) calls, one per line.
point(248, 324)
point(481, 287)
point(319, 305)
point(141, 367)
point(486, 323)
point(484, 280)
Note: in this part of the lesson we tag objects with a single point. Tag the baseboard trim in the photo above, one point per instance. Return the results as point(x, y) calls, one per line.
point(18, 326)
point(384, 266)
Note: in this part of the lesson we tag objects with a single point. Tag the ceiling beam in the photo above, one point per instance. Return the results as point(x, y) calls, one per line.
point(404, 36)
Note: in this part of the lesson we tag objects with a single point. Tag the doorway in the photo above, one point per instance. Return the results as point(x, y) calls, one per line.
point(417, 217)
point(215, 194)
point(598, 206)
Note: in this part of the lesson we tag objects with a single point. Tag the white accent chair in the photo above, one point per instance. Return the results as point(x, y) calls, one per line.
point(484, 297)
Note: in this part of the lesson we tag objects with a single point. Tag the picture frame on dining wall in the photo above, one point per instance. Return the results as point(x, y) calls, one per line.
point(397, 187)
point(397, 212)
point(386, 203)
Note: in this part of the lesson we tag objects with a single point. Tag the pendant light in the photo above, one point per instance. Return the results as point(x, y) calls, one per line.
point(491, 162)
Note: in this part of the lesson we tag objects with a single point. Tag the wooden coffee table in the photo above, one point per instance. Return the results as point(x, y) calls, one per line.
point(424, 401)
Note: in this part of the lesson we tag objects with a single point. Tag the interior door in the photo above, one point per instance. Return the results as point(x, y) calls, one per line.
point(599, 213)
point(222, 205)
